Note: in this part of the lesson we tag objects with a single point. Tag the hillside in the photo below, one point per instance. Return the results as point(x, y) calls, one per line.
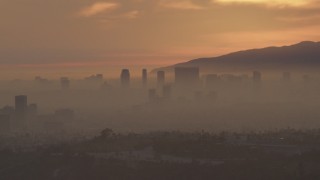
point(302, 56)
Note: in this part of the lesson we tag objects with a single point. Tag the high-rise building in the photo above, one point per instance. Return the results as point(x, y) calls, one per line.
point(144, 77)
point(65, 82)
point(160, 78)
point(125, 78)
point(21, 108)
point(187, 76)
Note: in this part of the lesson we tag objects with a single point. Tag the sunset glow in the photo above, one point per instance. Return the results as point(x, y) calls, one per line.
point(143, 32)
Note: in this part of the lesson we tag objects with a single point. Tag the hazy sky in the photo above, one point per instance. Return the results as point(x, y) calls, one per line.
point(89, 33)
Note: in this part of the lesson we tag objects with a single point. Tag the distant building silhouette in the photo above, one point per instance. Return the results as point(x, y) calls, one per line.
point(40, 80)
point(125, 78)
point(187, 76)
point(21, 109)
point(160, 78)
point(144, 77)
point(97, 77)
point(65, 82)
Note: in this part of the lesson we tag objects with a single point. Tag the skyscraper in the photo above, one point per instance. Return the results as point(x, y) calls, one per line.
point(160, 78)
point(144, 77)
point(125, 78)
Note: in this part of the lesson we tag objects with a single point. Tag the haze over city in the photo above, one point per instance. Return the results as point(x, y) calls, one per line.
point(159, 89)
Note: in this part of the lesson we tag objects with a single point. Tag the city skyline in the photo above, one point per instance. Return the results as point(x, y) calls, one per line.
point(159, 89)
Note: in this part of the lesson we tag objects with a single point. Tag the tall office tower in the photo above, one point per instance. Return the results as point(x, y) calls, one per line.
point(152, 95)
point(286, 76)
point(167, 91)
point(256, 77)
point(21, 108)
point(65, 82)
point(160, 78)
point(125, 78)
point(144, 77)
point(187, 76)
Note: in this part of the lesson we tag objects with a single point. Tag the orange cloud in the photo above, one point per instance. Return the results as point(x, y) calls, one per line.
point(98, 8)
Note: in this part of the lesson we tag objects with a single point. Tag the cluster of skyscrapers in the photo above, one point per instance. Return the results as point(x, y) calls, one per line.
point(187, 80)
point(22, 115)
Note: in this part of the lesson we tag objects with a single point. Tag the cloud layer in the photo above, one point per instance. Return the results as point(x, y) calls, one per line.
point(147, 31)
point(97, 8)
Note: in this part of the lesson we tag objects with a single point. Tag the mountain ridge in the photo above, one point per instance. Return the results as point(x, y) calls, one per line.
point(305, 54)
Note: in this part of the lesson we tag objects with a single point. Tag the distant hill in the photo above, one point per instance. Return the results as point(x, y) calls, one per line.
point(298, 57)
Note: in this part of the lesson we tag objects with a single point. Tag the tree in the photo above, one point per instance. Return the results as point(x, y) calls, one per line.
point(106, 133)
